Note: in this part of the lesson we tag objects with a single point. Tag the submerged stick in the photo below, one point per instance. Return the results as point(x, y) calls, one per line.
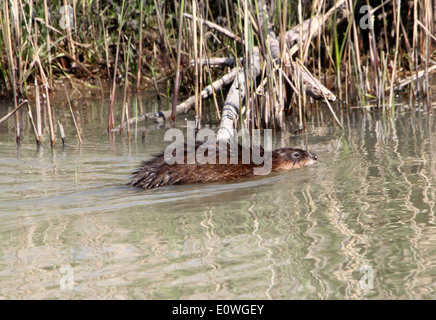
point(177, 79)
point(138, 75)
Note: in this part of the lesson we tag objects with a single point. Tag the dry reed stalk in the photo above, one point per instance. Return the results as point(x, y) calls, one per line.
point(428, 14)
point(126, 87)
point(18, 44)
point(196, 72)
point(128, 124)
point(61, 129)
point(300, 84)
point(138, 76)
point(247, 61)
point(325, 99)
point(200, 75)
point(415, 56)
point(38, 111)
point(74, 118)
point(163, 35)
point(46, 89)
point(356, 55)
point(35, 132)
point(106, 46)
point(71, 46)
point(209, 73)
point(50, 115)
point(397, 43)
point(12, 68)
point(186, 105)
point(48, 44)
point(177, 78)
point(111, 120)
point(6, 117)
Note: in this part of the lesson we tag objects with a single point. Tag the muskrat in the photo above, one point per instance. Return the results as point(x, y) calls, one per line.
point(156, 172)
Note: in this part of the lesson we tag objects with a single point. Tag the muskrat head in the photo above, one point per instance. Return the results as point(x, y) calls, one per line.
point(289, 158)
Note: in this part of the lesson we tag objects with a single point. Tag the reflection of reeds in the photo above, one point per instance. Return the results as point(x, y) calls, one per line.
point(121, 20)
point(139, 67)
point(74, 118)
point(177, 77)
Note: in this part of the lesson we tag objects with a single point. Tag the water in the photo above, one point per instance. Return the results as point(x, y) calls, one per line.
point(368, 204)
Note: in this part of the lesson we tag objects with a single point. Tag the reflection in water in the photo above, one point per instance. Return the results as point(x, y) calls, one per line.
point(293, 235)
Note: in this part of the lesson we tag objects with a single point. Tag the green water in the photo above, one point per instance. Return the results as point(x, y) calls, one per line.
point(304, 234)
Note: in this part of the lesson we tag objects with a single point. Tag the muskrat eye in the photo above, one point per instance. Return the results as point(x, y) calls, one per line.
point(296, 154)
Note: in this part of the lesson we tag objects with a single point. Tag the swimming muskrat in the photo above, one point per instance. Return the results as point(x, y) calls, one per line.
point(156, 172)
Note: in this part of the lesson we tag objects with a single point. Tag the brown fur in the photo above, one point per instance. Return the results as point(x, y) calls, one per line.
point(157, 173)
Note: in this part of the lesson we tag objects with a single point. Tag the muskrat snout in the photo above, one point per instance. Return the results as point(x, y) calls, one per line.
point(313, 156)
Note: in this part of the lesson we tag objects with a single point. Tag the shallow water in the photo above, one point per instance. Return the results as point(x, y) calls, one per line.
point(368, 203)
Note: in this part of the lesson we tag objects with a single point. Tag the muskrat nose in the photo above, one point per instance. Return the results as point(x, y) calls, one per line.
point(314, 157)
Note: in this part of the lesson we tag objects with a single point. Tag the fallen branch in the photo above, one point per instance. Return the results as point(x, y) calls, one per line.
point(404, 82)
point(187, 104)
point(237, 92)
point(310, 27)
point(6, 117)
point(324, 95)
point(313, 87)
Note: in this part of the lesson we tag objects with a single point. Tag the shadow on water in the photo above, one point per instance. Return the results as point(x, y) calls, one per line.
point(368, 204)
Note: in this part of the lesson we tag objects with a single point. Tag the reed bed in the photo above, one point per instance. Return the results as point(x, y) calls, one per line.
point(357, 53)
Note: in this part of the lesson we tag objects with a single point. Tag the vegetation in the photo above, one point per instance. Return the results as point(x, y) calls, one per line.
point(361, 51)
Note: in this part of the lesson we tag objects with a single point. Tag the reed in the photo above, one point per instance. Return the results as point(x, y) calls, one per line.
point(177, 78)
point(63, 136)
point(32, 122)
point(74, 118)
point(121, 21)
point(139, 67)
point(125, 105)
point(38, 113)
point(196, 66)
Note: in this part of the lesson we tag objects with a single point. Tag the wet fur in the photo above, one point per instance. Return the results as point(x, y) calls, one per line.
point(156, 172)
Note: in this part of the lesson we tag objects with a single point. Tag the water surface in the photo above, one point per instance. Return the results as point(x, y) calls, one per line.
point(368, 203)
